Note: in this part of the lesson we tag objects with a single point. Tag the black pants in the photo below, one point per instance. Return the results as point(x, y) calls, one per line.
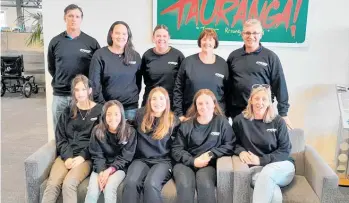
point(187, 180)
point(147, 177)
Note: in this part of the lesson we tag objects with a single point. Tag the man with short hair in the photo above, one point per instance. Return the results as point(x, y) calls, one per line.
point(255, 64)
point(69, 54)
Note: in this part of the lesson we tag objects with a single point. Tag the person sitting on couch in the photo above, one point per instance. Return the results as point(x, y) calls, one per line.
point(72, 134)
point(156, 125)
point(262, 139)
point(112, 147)
point(200, 141)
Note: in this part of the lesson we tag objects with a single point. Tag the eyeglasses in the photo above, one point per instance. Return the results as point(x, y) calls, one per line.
point(266, 86)
point(251, 33)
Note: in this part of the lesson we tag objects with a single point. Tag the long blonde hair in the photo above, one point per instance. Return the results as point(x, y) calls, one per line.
point(269, 114)
point(193, 112)
point(167, 118)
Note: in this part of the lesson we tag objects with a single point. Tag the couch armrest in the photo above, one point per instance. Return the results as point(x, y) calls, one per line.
point(225, 179)
point(320, 176)
point(242, 181)
point(37, 168)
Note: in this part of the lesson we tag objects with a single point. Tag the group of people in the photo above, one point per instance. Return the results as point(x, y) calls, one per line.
point(182, 127)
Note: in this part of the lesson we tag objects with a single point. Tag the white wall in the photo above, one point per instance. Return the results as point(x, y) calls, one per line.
point(311, 71)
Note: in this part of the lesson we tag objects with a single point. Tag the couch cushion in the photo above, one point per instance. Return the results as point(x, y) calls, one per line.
point(169, 192)
point(299, 191)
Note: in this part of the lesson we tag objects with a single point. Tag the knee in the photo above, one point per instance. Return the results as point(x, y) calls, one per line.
point(150, 184)
point(70, 184)
point(205, 178)
point(268, 171)
point(204, 182)
point(132, 183)
point(184, 182)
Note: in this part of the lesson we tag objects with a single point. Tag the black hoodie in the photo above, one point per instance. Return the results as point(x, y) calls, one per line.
point(151, 150)
point(110, 151)
point(73, 135)
point(194, 139)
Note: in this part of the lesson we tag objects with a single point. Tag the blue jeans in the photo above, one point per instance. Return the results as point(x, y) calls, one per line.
point(59, 103)
point(110, 190)
point(130, 114)
point(267, 181)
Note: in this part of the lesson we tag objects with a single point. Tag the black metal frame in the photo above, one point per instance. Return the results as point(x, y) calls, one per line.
point(12, 79)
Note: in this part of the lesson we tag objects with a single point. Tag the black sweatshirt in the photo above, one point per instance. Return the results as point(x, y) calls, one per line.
point(260, 67)
point(194, 75)
point(160, 70)
point(67, 58)
point(150, 150)
point(269, 141)
point(194, 139)
point(113, 80)
point(73, 135)
point(109, 151)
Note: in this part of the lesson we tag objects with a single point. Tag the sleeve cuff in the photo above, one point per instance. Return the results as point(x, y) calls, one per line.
point(237, 151)
point(84, 155)
point(264, 160)
point(99, 169)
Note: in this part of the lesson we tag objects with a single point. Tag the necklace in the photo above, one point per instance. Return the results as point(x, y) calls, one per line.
point(86, 114)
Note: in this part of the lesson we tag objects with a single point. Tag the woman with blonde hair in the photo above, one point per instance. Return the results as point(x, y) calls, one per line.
point(155, 125)
point(263, 140)
point(72, 135)
point(204, 137)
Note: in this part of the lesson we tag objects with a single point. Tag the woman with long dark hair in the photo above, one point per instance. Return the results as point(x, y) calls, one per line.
point(112, 147)
point(115, 70)
point(73, 134)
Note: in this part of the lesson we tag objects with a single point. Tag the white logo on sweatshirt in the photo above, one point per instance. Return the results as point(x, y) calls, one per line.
point(132, 62)
point(261, 63)
point(271, 130)
point(219, 75)
point(93, 119)
point(172, 63)
point(85, 51)
point(215, 133)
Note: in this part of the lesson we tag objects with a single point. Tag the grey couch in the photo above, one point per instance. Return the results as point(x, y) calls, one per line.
point(38, 165)
point(314, 182)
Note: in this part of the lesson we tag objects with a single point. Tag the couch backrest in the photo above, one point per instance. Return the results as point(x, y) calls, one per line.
point(297, 140)
point(298, 146)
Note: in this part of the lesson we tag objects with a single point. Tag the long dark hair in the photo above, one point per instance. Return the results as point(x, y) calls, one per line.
point(75, 81)
point(123, 129)
point(129, 52)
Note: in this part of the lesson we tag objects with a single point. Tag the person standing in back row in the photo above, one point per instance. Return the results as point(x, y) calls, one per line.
point(160, 64)
point(204, 70)
point(255, 64)
point(115, 70)
point(68, 55)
